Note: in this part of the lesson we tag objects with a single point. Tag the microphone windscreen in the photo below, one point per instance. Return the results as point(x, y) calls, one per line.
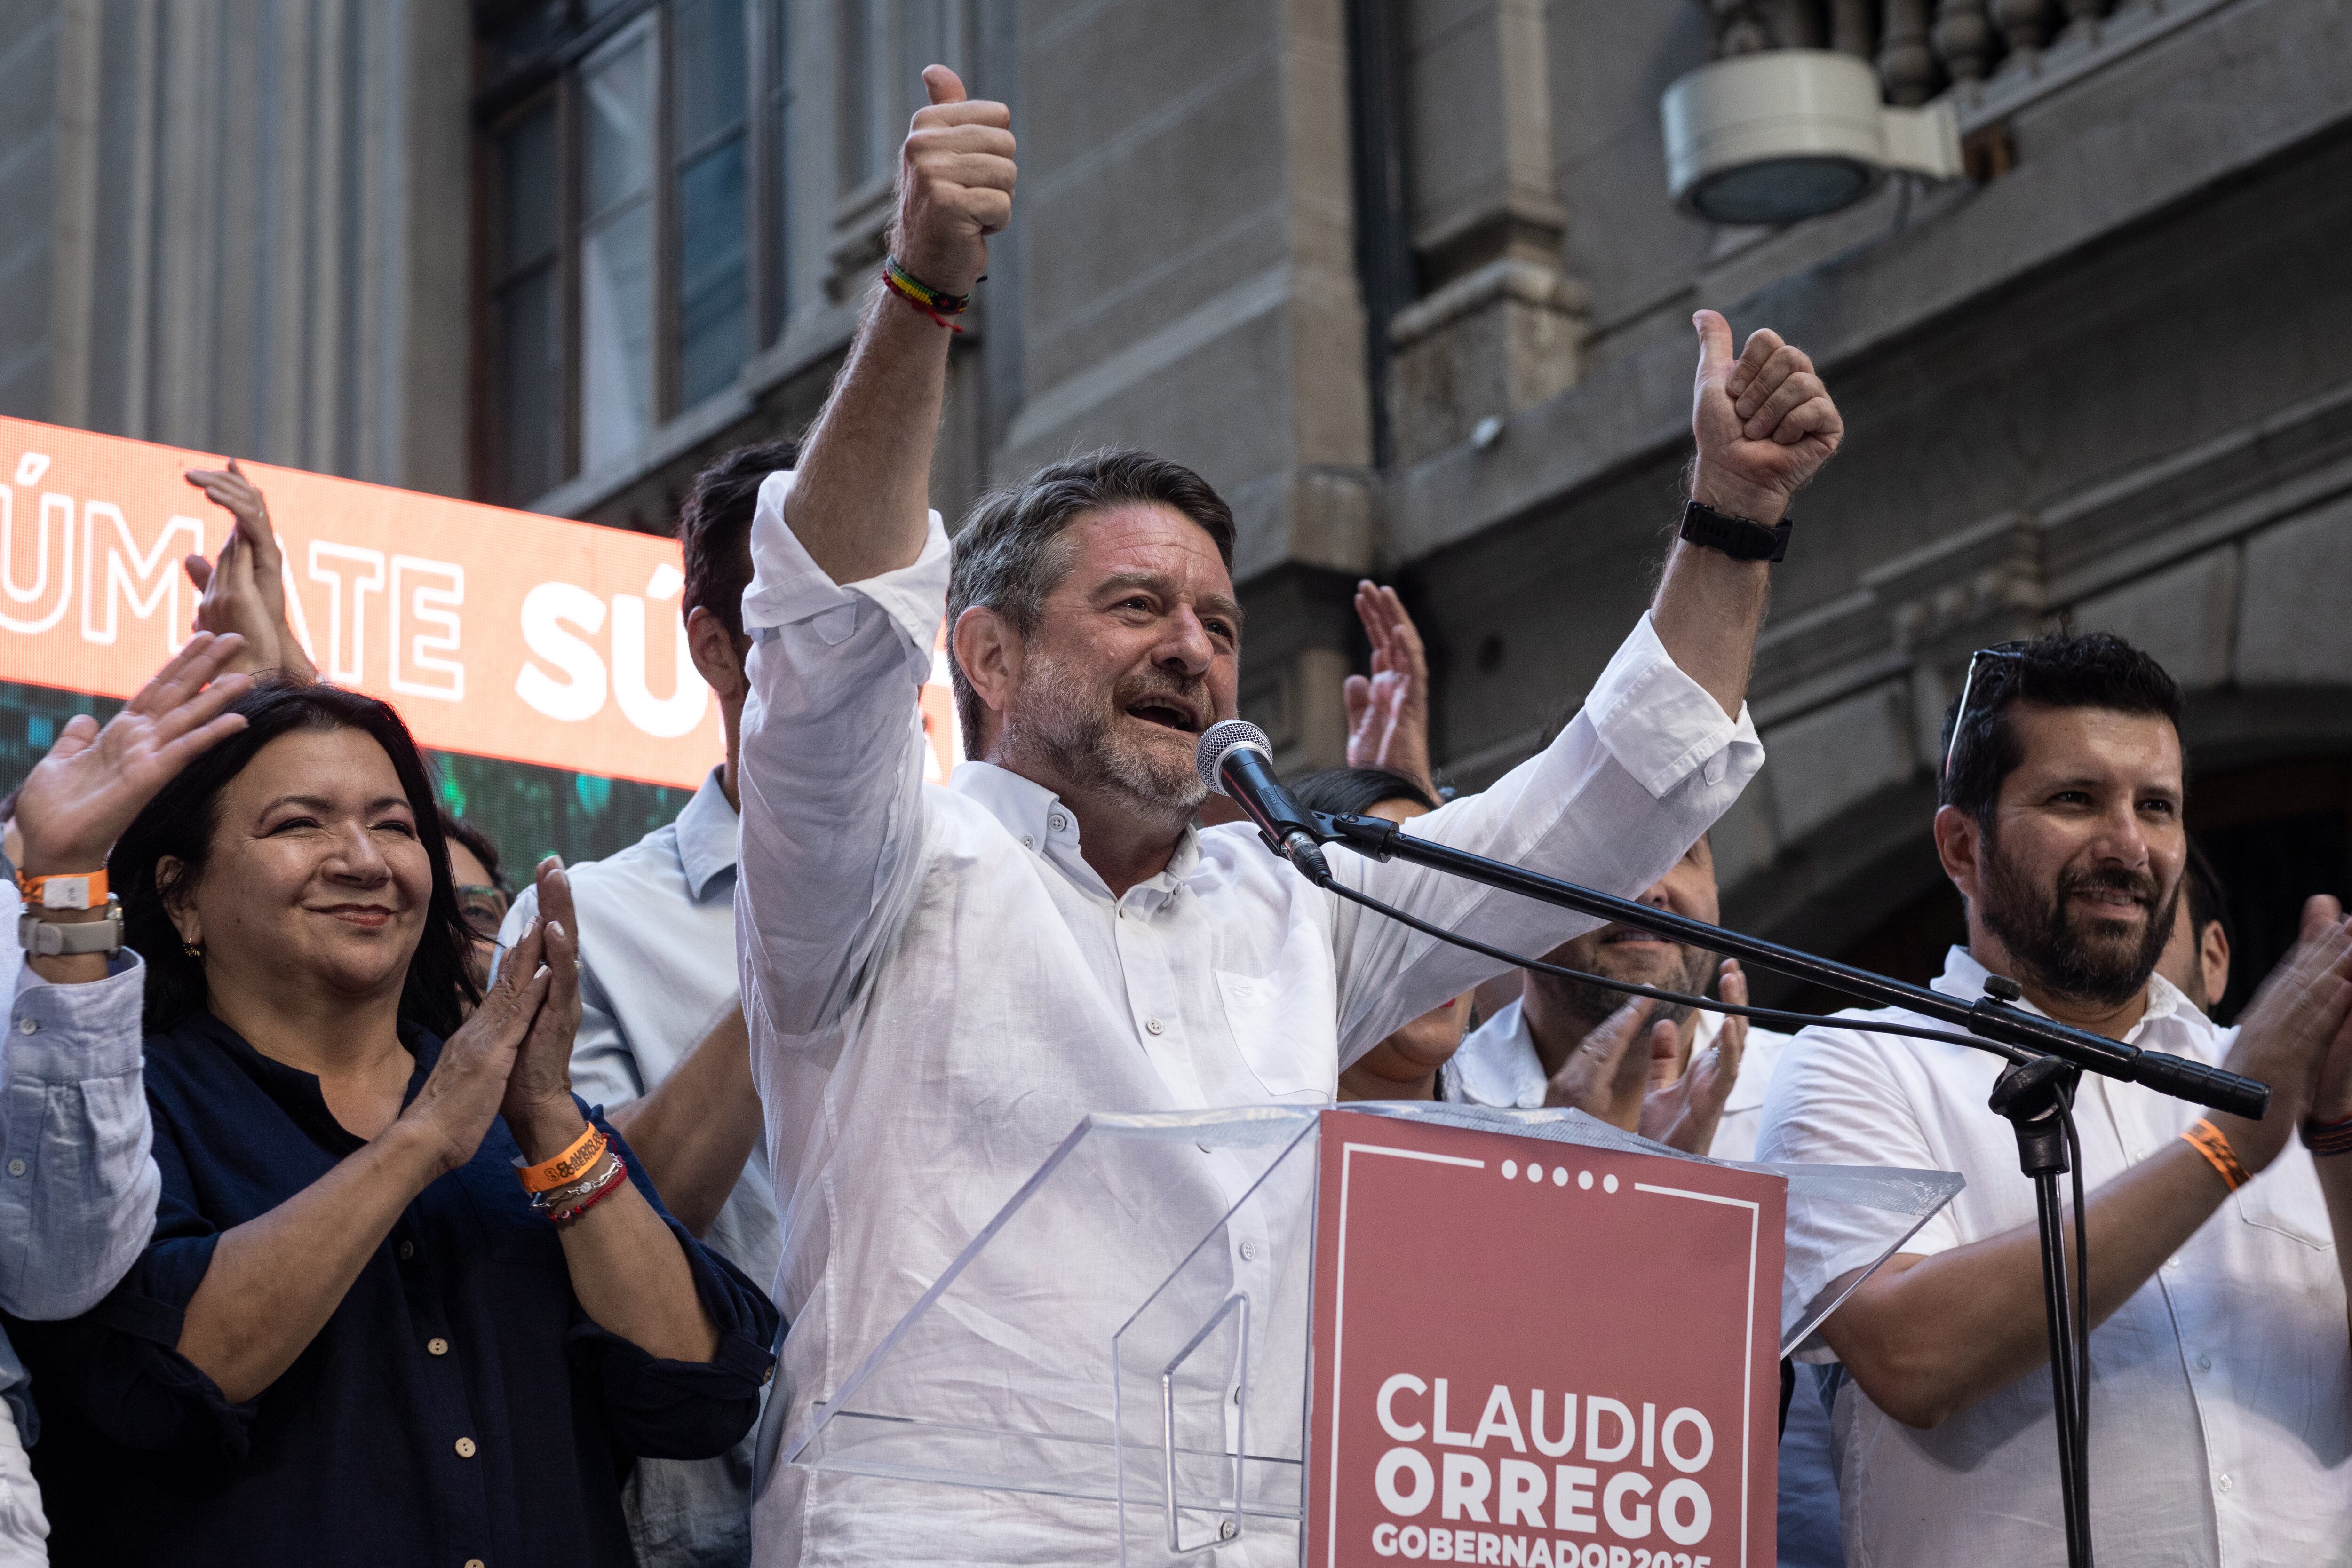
point(1219, 738)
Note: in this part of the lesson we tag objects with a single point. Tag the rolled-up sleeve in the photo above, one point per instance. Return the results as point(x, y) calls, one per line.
point(78, 1185)
point(830, 773)
point(684, 1409)
point(1645, 768)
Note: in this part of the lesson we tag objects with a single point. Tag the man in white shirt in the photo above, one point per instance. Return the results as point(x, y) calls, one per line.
point(942, 982)
point(662, 1044)
point(2221, 1394)
point(1692, 1080)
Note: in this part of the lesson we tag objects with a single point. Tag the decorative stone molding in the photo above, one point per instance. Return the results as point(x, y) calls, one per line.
point(1503, 338)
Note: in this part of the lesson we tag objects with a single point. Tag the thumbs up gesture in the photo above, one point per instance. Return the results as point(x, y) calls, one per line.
point(955, 185)
point(1764, 421)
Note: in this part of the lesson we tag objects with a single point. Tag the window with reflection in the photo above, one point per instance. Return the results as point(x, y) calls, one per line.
point(634, 234)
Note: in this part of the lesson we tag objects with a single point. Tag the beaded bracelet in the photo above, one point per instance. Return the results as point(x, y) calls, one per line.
point(2335, 1138)
point(930, 301)
point(604, 1188)
point(2206, 1140)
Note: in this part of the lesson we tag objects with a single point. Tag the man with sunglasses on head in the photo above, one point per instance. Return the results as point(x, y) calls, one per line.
point(2220, 1386)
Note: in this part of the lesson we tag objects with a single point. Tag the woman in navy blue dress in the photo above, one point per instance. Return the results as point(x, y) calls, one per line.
point(408, 1300)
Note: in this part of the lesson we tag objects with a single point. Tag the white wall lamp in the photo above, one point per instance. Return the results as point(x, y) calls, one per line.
point(1784, 134)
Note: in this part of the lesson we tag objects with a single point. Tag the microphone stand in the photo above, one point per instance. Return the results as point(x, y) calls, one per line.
point(2035, 1092)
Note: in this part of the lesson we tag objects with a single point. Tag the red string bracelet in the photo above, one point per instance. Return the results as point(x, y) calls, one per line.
point(938, 306)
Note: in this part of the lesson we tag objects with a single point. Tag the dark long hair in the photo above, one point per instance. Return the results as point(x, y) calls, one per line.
point(179, 822)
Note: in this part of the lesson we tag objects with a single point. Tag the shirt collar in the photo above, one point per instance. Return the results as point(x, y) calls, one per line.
point(1497, 1065)
point(1964, 977)
point(1035, 817)
point(706, 836)
point(297, 1092)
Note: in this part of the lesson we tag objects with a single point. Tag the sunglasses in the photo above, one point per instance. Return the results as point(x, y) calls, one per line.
point(483, 908)
point(2011, 650)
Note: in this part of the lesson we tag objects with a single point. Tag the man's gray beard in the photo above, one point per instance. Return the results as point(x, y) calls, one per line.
point(1066, 723)
point(1590, 1005)
point(2032, 923)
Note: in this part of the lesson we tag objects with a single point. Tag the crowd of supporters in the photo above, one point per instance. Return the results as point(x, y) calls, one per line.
point(365, 1204)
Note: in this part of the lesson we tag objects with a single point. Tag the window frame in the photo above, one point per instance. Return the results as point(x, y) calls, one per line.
point(503, 101)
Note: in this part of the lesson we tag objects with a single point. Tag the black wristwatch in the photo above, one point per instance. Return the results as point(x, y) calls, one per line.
point(1741, 539)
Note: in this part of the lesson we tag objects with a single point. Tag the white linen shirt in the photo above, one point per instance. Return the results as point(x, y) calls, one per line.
point(940, 988)
point(1498, 1065)
point(2221, 1391)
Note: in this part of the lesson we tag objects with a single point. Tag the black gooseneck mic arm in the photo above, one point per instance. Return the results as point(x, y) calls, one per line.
point(1990, 1018)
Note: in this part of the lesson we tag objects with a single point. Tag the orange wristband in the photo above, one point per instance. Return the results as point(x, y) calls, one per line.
point(2206, 1140)
point(78, 890)
point(566, 1168)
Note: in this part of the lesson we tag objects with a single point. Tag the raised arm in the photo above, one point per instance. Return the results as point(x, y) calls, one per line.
point(1765, 425)
point(74, 1119)
point(865, 473)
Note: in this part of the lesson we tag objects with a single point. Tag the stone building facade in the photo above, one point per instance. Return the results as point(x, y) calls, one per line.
point(1399, 276)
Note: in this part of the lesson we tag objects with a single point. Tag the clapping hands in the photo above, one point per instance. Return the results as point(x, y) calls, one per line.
point(245, 589)
point(1388, 711)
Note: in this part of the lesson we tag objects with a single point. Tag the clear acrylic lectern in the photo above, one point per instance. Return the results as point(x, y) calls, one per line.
point(1155, 1377)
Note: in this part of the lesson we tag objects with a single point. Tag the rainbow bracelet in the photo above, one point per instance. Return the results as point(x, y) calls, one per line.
point(938, 306)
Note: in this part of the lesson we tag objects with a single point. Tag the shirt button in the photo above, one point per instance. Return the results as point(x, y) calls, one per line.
point(27, 1026)
point(1153, 1026)
point(407, 1251)
point(1249, 1251)
point(15, 1167)
point(1027, 842)
point(475, 1562)
point(464, 1447)
point(436, 1345)
point(2172, 1263)
point(2204, 1363)
point(2223, 1483)
point(1057, 821)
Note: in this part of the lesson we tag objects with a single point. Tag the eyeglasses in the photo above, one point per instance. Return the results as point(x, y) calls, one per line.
point(2010, 650)
point(483, 908)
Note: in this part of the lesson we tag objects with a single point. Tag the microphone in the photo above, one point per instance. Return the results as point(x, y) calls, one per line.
point(1235, 759)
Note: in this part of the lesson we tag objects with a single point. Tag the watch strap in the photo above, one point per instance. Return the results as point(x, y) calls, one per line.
point(58, 939)
point(1741, 539)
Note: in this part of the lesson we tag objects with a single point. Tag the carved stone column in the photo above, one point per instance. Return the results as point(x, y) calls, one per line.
point(1906, 64)
point(2024, 23)
point(1499, 325)
point(1965, 39)
point(1850, 27)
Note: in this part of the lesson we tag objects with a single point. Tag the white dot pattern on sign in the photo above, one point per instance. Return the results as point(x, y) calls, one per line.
point(1510, 1169)
point(1535, 1173)
point(1609, 1184)
point(1584, 1180)
point(1560, 1176)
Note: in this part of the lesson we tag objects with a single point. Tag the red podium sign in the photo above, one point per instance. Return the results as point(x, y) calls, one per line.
point(1538, 1354)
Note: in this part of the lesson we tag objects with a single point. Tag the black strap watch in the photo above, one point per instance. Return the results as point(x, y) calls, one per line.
point(1741, 539)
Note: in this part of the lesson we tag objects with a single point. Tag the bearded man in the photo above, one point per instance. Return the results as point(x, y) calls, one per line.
point(942, 982)
point(2220, 1386)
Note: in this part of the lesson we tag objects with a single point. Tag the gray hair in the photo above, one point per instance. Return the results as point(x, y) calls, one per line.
point(1011, 552)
